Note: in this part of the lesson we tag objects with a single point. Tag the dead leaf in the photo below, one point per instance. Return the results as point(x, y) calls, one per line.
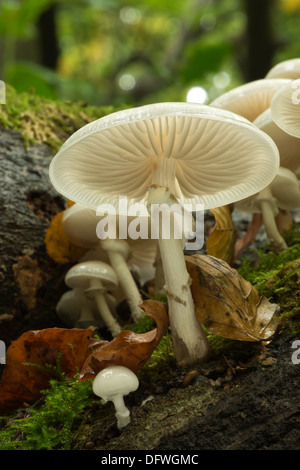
point(23, 383)
point(228, 305)
point(128, 349)
point(221, 240)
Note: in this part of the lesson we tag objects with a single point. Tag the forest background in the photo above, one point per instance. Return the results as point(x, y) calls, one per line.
point(132, 52)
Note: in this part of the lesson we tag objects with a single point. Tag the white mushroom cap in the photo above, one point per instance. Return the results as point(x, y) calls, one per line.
point(287, 69)
point(251, 99)
point(83, 275)
point(96, 278)
point(283, 193)
point(80, 225)
point(208, 148)
point(69, 306)
point(112, 384)
point(288, 145)
point(285, 108)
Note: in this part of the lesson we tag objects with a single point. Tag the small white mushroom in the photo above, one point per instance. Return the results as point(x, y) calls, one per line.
point(96, 278)
point(112, 384)
point(76, 311)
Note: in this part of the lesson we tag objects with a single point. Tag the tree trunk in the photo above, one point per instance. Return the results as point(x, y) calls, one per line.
point(259, 38)
point(48, 41)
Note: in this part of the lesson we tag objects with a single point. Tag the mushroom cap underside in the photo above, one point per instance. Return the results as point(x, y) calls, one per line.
point(115, 156)
point(288, 145)
point(285, 108)
point(284, 193)
point(250, 99)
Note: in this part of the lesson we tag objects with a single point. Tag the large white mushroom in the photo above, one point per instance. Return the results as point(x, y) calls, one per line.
point(250, 99)
point(166, 154)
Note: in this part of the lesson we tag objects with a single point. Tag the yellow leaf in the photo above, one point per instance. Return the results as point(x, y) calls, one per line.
point(290, 6)
point(228, 305)
point(58, 245)
point(221, 240)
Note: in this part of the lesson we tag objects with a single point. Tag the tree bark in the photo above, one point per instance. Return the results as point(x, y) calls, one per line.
point(31, 282)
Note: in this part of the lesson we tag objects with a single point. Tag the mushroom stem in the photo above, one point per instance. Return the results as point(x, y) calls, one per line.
point(111, 323)
point(122, 412)
point(86, 318)
point(284, 220)
point(116, 252)
point(189, 340)
point(276, 240)
point(159, 280)
point(97, 291)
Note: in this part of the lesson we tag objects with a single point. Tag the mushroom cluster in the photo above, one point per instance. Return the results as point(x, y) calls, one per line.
point(273, 105)
point(171, 156)
point(85, 228)
point(89, 303)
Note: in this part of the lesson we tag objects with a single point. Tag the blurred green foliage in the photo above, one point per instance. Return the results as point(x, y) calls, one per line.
point(132, 51)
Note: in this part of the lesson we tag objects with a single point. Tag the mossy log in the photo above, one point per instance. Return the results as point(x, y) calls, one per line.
point(31, 131)
point(247, 397)
point(30, 280)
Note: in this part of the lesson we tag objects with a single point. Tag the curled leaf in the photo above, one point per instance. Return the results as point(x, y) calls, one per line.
point(221, 240)
point(128, 349)
point(34, 358)
point(228, 305)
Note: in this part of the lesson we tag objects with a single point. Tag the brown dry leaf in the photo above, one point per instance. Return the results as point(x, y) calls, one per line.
point(58, 245)
point(128, 349)
point(221, 240)
point(23, 383)
point(228, 305)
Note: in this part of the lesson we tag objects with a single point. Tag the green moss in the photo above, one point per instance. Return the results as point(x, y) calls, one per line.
point(267, 263)
point(41, 120)
point(277, 277)
point(50, 425)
